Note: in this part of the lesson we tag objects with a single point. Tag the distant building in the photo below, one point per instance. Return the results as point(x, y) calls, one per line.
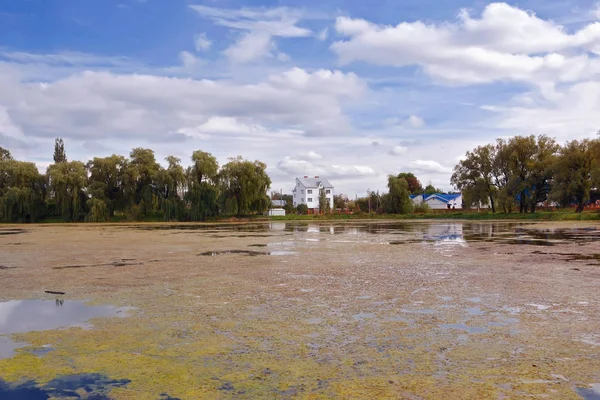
point(307, 191)
point(277, 208)
point(438, 201)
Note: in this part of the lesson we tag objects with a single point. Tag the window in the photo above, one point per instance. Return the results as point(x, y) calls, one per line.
point(302, 199)
point(309, 191)
point(328, 191)
point(309, 199)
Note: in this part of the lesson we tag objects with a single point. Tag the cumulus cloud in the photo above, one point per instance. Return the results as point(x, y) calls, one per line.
point(103, 104)
point(298, 167)
point(505, 43)
point(323, 34)
point(201, 42)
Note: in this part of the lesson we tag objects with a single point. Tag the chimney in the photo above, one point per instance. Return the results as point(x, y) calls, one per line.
point(316, 177)
point(305, 176)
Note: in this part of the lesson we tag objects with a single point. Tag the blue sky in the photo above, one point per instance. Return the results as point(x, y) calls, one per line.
point(351, 90)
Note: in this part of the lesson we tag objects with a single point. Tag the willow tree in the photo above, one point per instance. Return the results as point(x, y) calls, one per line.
point(139, 182)
point(22, 191)
point(202, 193)
point(473, 176)
point(67, 182)
point(247, 182)
point(573, 170)
point(169, 184)
point(398, 197)
point(106, 183)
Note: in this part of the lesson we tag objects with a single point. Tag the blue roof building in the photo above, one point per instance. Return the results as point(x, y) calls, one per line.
point(439, 201)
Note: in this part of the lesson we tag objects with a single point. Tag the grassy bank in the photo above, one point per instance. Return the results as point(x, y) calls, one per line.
point(567, 215)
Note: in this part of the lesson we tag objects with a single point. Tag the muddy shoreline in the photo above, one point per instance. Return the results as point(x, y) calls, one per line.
point(461, 309)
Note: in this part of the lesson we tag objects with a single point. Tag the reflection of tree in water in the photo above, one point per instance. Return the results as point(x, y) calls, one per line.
point(59, 302)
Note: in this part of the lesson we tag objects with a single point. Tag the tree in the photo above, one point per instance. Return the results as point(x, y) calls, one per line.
point(247, 182)
point(5, 154)
point(414, 185)
point(340, 201)
point(169, 183)
point(531, 162)
point(60, 156)
point(503, 176)
point(106, 183)
point(324, 203)
point(68, 181)
point(302, 209)
point(473, 176)
point(22, 191)
point(202, 193)
point(398, 199)
point(572, 172)
point(139, 182)
point(430, 189)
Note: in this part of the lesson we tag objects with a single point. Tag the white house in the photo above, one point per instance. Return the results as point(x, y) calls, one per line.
point(307, 190)
point(438, 201)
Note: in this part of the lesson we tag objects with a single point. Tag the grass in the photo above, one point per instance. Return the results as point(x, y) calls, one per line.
point(563, 215)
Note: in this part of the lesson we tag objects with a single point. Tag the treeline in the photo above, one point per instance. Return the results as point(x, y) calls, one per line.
point(135, 188)
point(524, 171)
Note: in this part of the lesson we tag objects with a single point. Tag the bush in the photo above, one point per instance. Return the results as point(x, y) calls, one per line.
point(422, 208)
point(302, 209)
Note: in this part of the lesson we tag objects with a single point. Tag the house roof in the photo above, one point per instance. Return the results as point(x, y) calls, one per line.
point(315, 181)
point(278, 203)
point(446, 198)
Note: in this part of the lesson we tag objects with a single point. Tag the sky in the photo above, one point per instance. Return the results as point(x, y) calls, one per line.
point(347, 89)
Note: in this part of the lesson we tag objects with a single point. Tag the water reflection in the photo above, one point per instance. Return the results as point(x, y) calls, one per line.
point(19, 316)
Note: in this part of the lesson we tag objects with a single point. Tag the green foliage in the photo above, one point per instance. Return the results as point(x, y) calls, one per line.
point(422, 208)
point(324, 203)
point(60, 156)
point(398, 199)
point(97, 211)
point(106, 181)
point(573, 173)
point(67, 181)
point(5, 154)
point(302, 209)
point(414, 185)
point(248, 183)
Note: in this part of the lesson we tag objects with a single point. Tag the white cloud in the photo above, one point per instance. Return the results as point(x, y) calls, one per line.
point(259, 25)
point(201, 42)
point(298, 167)
point(416, 122)
point(252, 46)
point(506, 43)
point(310, 155)
point(567, 113)
point(398, 150)
point(428, 166)
point(323, 34)
point(188, 60)
point(280, 21)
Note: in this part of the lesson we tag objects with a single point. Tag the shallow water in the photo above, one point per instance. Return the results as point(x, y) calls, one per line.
point(21, 316)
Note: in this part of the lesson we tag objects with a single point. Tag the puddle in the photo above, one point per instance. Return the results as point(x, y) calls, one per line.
point(475, 311)
point(463, 327)
point(20, 316)
point(422, 311)
point(11, 231)
point(95, 386)
point(251, 253)
point(362, 316)
point(224, 252)
point(590, 394)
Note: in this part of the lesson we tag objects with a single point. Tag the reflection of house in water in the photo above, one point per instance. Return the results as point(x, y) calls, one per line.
point(451, 234)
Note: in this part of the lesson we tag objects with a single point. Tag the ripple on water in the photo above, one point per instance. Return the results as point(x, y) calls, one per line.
point(590, 394)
